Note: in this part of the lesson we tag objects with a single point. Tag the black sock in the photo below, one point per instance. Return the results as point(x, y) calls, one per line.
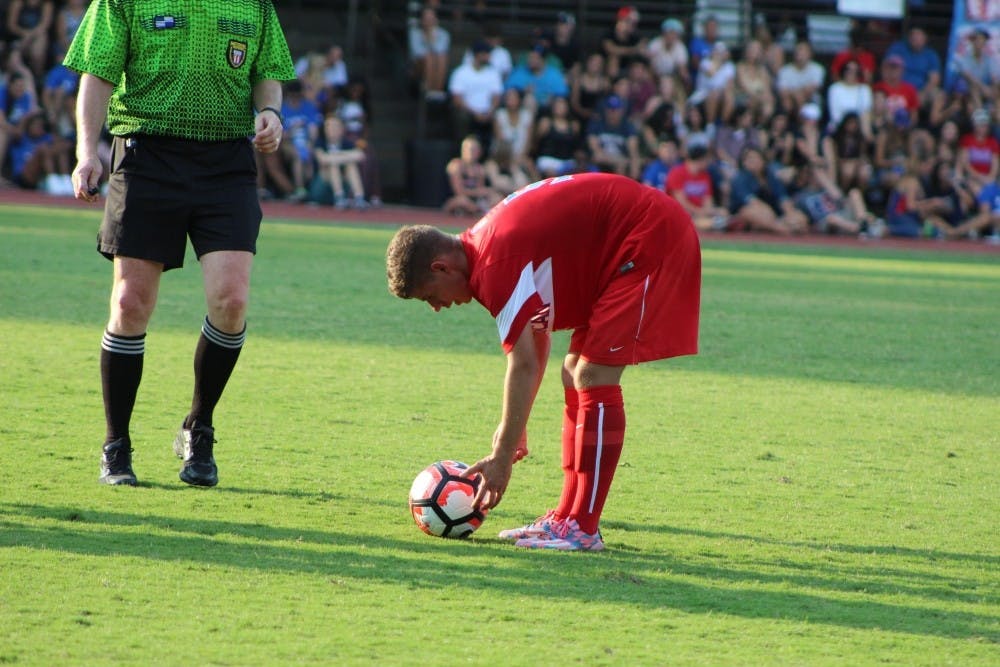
point(214, 360)
point(121, 372)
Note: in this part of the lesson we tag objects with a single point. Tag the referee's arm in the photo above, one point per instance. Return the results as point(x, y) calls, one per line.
point(267, 125)
point(91, 112)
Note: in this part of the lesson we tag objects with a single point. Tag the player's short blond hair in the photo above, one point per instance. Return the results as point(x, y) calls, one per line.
point(409, 256)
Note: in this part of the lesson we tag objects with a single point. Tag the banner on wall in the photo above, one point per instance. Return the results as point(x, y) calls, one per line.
point(970, 17)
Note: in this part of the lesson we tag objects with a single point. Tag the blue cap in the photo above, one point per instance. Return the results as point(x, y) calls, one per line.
point(613, 102)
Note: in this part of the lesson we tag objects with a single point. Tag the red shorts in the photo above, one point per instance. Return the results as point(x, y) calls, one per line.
point(649, 312)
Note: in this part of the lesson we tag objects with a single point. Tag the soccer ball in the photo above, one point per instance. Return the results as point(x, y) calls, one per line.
point(441, 501)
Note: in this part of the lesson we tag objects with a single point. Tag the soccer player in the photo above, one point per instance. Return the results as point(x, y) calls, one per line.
point(179, 88)
point(617, 262)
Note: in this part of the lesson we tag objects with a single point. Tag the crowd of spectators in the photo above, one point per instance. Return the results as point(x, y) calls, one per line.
point(762, 135)
point(326, 155)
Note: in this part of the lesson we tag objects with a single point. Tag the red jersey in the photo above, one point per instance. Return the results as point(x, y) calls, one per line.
point(980, 152)
point(901, 96)
point(548, 252)
point(697, 188)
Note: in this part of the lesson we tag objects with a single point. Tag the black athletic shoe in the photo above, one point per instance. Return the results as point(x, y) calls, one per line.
point(116, 463)
point(194, 445)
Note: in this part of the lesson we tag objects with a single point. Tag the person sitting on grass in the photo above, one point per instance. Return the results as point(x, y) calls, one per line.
point(691, 185)
point(759, 200)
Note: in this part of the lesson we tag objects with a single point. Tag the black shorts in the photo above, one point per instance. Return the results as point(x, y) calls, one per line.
point(162, 190)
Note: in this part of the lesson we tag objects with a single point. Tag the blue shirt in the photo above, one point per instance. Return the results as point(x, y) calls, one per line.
point(546, 84)
point(745, 187)
point(21, 151)
point(655, 174)
point(62, 78)
point(990, 194)
point(918, 64)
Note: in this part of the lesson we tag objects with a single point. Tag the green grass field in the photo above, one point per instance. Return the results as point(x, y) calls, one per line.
point(817, 487)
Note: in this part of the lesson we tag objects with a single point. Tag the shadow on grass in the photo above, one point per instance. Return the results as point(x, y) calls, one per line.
point(646, 580)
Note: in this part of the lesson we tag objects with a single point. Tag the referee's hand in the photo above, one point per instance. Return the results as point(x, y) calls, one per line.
point(268, 132)
point(87, 179)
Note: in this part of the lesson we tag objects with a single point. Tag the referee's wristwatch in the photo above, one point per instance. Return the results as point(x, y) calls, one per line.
point(276, 112)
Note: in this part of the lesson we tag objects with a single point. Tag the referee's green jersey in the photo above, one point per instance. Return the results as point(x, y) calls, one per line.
point(182, 68)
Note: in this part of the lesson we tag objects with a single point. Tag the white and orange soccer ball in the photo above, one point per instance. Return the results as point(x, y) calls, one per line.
point(441, 500)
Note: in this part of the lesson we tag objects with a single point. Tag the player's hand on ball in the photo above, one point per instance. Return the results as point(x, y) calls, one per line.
point(496, 476)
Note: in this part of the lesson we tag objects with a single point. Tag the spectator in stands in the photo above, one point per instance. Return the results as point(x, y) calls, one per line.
point(667, 54)
point(808, 139)
point(701, 44)
point(892, 150)
point(642, 87)
point(340, 161)
point(302, 120)
point(780, 146)
point(800, 81)
point(475, 95)
point(613, 140)
point(32, 159)
point(829, 210)
point(514, 124)
point(67, 21)
point(326, 74)
point(856, 53)
point(60, 82)
point(904, 212)
point(590, 89)
point(694, 130)
point(947, 147)
point(691, 185)
point(753, 84)
point(921, 63)
point(760, 200)
point(986, 217)
point(562, 41)
point(850, 94)
point(715, 85)
point(538, 78)
point(731, 139)
point(667, 157)
point(500, 57)
point(669, 91)
point(429, 46)
point(557, 141)
point(848, 151)
point(503, 173)
point(17, 101)
point(622, 43)
point(29, 22)
point(978, 68)
point(979, 153)
point(947, 203)
point(660, 126)
point(471, 194)
point(355, 112)
point(957, 106)
point(899, 94)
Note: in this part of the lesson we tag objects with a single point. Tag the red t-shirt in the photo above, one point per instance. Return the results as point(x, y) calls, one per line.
point(546, 252)
point(697, 188)
point(865, 60)
point(901, 96)
point(980, 152)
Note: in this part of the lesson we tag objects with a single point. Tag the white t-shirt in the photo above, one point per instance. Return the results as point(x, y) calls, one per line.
point(843, 98)
point(476, 86)
point(665, 61)
point(791, 77)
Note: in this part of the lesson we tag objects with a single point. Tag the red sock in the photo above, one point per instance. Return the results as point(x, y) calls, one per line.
point(568, 454)
point(598, 448)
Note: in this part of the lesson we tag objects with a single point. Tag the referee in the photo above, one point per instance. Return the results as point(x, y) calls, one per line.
point(188, 94)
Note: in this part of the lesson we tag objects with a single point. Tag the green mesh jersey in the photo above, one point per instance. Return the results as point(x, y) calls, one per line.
point(182, 68)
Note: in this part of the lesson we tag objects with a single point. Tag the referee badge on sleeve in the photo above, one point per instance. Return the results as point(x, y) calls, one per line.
point(236, 54)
